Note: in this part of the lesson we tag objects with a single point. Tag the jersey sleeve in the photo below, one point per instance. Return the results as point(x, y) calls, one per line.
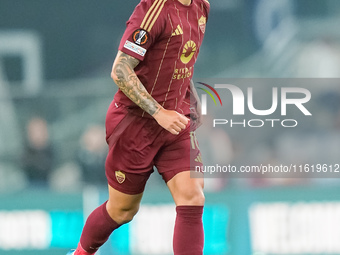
point(143, 28)
point(206, 6)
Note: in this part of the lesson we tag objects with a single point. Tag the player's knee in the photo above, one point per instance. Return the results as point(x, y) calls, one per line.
point(192, 197)
point(123, 215)
point(197, 198)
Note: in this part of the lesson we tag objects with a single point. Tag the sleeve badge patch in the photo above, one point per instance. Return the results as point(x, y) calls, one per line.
point(140, 37)
point(135, 48)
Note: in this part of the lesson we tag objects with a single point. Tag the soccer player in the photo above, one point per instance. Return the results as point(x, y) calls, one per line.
point(148, 123)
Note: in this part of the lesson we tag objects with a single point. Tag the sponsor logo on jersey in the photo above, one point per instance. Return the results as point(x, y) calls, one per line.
point(188, 52)
point(120, 176)
point(178, 31)
point(140, 37)
point(182, 73)
point(202, 23)
point(135, 48)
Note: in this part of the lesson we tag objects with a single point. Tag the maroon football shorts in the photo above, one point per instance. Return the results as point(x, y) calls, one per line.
point(138, 144)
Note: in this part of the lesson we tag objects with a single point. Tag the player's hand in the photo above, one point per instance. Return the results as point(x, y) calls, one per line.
point(172, 121)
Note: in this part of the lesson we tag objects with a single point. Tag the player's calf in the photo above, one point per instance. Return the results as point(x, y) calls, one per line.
point(188, 233)
point(189, 198)
point(98, 227)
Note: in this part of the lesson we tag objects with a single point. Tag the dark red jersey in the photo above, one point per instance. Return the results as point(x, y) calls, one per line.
point(165, 36)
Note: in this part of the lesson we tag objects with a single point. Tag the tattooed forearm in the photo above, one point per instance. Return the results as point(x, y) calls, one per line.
point(126, 79)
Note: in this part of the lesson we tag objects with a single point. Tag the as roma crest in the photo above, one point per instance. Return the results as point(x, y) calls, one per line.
point(120, 176)
point(202, 23)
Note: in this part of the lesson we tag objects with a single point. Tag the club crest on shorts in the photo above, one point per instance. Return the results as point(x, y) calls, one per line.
point(120, 176)
point(202, 23)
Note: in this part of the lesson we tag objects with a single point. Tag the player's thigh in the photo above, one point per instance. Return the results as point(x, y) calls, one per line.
point(177, 162)
point(122, 207)
point(187, 188)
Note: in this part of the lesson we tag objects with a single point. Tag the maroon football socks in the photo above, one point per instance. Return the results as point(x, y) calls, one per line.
point(98, 228)
point(188, 234)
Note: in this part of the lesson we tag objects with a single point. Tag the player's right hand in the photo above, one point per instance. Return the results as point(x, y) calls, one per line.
point(172, 121)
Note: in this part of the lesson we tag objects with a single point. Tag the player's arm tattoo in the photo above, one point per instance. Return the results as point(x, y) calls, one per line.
point(126, 79)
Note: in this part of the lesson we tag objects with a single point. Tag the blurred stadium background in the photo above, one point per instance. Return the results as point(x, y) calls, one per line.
point(55, 87)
